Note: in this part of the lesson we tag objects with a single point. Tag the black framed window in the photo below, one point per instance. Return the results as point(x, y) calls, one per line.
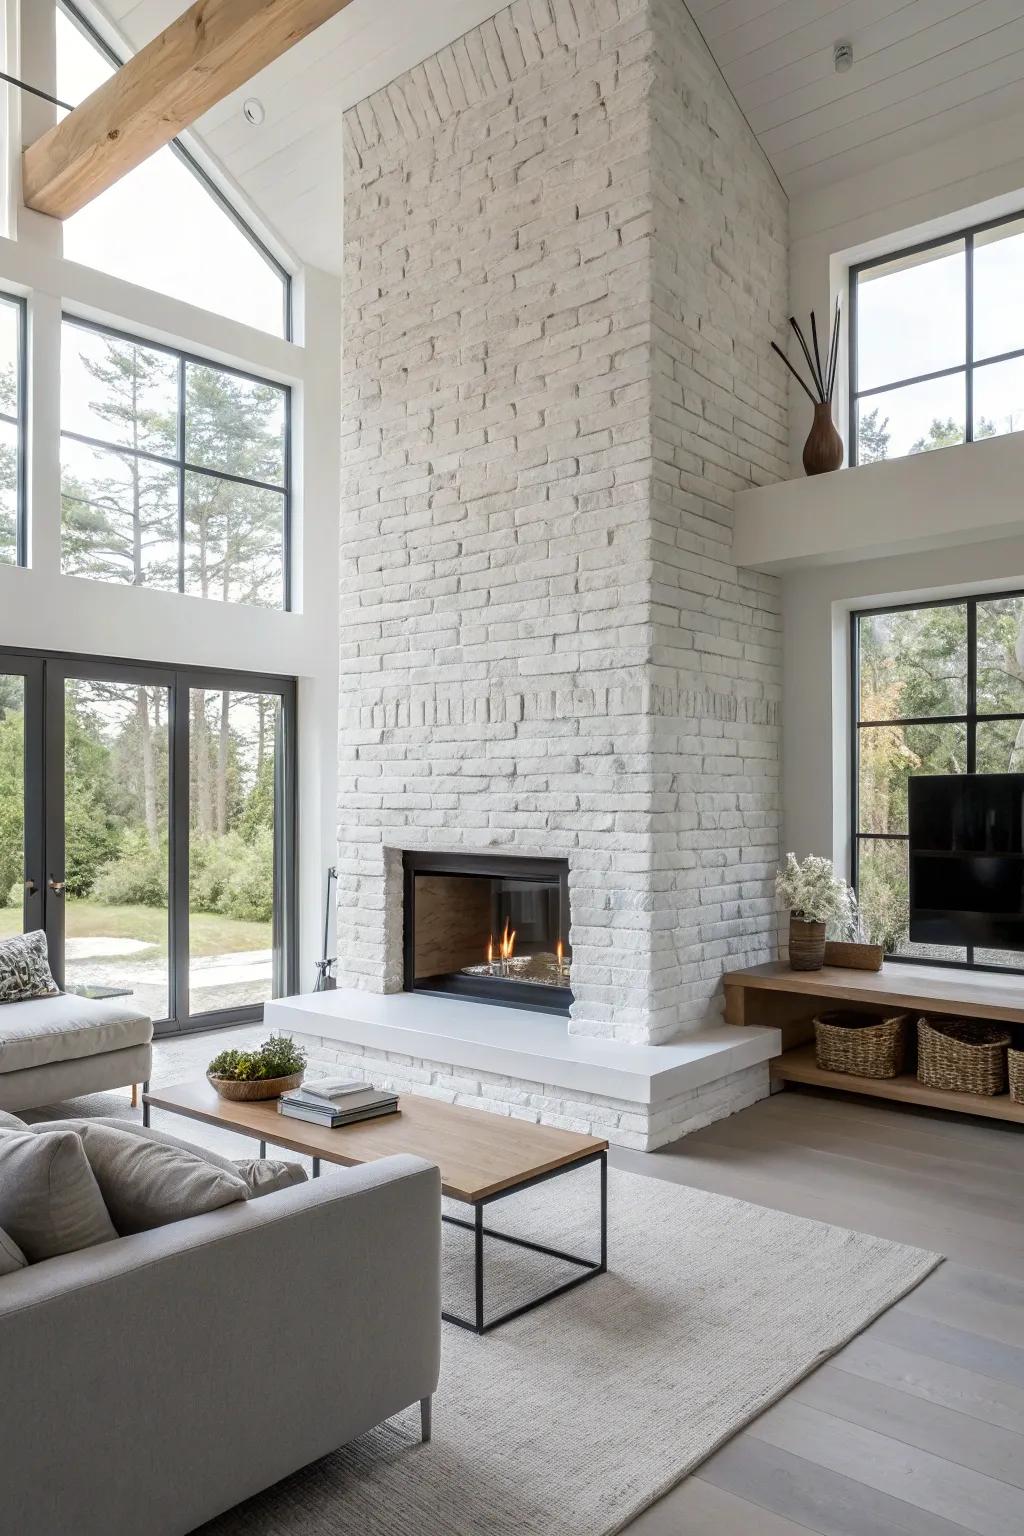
point(937, 343)
point(936, 688)
point(132, 230)
point(147, 823)
point(12, 429)
point(175, 471)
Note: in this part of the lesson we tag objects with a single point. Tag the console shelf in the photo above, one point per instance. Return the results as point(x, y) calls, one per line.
point(788, 1000)
point(799, 1066)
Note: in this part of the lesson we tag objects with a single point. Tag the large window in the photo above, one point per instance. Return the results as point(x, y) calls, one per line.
point(937, 688)
point(147, 823)
point(937, 343)
point(165, 225)
point(174, 471)
point(12, 430)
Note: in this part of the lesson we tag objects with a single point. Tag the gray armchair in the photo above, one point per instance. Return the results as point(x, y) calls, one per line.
point(150, 1383)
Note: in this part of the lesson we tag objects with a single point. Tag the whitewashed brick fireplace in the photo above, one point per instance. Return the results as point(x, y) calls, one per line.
point(565, 261)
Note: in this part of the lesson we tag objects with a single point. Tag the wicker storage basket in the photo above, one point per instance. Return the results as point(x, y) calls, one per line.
point(961, 1056)
point(862, 1044)
point(1015, 1062)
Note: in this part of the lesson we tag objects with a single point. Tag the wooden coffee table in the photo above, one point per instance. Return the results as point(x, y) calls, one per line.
point(482, 1158)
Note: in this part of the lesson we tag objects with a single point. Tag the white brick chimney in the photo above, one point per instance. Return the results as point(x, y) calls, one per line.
point(565, 260)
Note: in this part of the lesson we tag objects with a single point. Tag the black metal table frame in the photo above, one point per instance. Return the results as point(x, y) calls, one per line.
point(591, 1267)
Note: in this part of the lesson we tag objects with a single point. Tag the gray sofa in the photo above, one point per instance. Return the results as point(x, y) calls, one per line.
point(150, 1383)
point(56, 1048)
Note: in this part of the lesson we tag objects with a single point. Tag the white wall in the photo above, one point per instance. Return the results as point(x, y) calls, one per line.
point(973, 175)
point(42, 609)
point(816, 606)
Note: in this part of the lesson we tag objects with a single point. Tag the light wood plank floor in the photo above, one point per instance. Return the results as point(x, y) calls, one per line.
point(916, 1428)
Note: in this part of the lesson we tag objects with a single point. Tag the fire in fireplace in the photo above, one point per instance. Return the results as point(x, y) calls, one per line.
point(489, 927)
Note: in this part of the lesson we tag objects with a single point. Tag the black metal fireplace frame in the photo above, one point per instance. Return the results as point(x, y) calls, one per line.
point(489, 989)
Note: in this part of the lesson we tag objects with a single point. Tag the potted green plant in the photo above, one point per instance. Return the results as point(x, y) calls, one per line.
point(271, 1069)
point(814, 895)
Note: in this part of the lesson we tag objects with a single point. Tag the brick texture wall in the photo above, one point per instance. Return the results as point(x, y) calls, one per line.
point(564, 261)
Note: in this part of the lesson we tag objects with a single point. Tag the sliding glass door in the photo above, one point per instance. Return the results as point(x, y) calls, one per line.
point(108, 831)
point(235, 766)
point(21, 833)
point(147, 822)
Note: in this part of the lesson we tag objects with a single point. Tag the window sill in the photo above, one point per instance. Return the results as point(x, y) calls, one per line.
point(959, 495)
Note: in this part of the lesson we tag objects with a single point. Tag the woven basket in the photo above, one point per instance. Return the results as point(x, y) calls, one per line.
point(961, 1056)
point(1015, 1063)
point(854, 957)
point(246, 1093)
point(806, 945)
point(861, 1044)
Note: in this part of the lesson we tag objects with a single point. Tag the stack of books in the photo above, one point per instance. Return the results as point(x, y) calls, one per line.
point(332, 1103)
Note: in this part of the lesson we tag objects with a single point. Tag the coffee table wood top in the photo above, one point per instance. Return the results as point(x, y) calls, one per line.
point(478, 1153)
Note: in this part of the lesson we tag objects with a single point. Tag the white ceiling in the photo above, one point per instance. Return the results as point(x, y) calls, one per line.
point(290, 167)
point(923, 70)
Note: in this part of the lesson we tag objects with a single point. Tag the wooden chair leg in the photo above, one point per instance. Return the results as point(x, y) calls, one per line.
point(135, 1095)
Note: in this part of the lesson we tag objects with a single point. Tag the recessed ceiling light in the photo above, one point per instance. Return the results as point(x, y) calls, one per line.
point(252, 111)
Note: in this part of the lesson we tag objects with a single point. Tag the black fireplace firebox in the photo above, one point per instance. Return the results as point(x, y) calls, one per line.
point(489, 927)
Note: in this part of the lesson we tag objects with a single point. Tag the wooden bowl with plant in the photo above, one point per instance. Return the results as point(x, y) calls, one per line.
point(263, 1073)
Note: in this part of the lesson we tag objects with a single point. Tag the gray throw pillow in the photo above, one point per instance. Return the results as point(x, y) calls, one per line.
point(50, 1203)
point(9, 1122)
point(25, 968)
point(147, 1183)
point(262, 1175)
point(265, 1175)
point(11, 1256)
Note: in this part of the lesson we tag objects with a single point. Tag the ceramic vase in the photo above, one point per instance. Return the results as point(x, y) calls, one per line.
point(823, 450)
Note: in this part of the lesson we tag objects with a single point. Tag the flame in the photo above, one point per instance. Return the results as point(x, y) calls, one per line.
point(558, 952)
point(506, 945)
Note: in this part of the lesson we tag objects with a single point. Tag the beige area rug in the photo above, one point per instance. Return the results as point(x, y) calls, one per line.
point(571, 1419)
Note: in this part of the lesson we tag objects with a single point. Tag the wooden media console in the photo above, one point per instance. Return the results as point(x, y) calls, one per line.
point(788, 1000)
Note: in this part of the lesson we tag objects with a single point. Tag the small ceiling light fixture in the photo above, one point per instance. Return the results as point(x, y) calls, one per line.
point(252, 111)
point(842, 57)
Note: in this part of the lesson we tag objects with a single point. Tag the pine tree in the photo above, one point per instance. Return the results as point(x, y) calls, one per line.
point(872, 438)
point(120, 513)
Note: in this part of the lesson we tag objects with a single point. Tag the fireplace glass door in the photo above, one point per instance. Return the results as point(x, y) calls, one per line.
point(488, 928)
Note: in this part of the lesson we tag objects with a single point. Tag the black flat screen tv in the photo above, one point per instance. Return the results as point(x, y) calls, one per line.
point(967, 859)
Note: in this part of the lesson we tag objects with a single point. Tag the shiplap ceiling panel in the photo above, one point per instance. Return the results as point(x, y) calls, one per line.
point(922, 71)
point(289, 167)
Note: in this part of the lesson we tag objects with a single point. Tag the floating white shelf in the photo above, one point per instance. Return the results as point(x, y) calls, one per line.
point(950, 496)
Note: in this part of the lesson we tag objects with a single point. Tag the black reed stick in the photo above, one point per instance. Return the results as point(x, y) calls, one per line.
point(793, 371)
point(806, 351)
point(833, 360)
point(817, 354)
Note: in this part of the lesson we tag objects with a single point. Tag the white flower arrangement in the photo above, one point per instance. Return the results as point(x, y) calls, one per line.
point(811, 889)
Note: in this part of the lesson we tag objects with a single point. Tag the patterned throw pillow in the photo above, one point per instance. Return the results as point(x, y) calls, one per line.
point(25, 968)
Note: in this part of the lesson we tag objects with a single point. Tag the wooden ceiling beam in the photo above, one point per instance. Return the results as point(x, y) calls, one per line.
point(212, 49)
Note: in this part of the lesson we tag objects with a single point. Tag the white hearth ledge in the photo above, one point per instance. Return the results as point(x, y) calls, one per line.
point(522, 1044)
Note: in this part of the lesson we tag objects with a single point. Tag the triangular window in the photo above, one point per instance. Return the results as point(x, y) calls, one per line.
point(164, 225)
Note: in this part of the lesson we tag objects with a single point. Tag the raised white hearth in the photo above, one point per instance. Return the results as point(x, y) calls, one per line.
point(515, 1062)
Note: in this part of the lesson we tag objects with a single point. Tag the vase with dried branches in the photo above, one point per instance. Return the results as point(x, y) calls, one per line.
point(823, 450)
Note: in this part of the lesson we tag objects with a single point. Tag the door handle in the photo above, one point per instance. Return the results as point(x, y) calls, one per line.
point(30, 887)
point(57, 886)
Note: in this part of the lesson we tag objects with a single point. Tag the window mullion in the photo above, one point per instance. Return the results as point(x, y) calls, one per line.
point(969, 336)
point(44, 508)
point(181, 474)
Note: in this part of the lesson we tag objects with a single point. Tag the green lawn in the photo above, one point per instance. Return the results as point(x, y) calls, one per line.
point(209, 933)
